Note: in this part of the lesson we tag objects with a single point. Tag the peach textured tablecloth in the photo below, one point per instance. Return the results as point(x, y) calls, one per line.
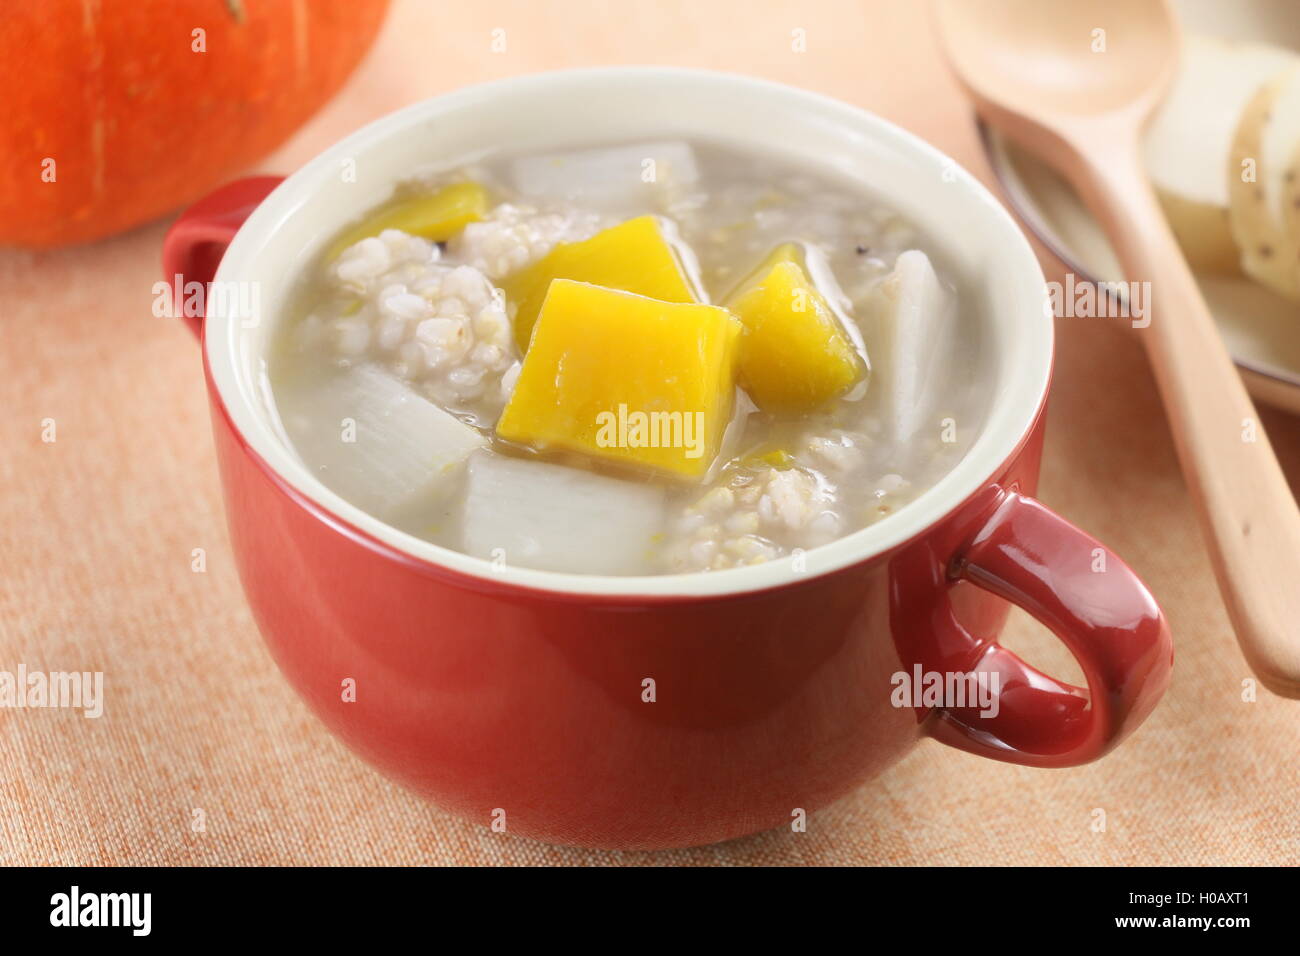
point(97, 530)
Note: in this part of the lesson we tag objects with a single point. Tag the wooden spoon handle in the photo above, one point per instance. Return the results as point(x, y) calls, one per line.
point(1246, 510)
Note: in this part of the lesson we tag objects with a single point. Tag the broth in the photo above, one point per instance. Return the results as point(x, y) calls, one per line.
point(400, 353)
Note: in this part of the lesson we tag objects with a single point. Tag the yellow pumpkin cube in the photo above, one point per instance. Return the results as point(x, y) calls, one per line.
point(626, 379)
point(633, 256)
point(794, 354)
point(437, 216)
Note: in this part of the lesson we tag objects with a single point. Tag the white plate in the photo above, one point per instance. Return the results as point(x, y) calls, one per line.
point(1262, 330)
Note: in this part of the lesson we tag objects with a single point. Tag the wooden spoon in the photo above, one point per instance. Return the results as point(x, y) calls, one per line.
point(1074, 83)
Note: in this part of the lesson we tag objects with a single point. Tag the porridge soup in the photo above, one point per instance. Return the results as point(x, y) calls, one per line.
point(628, 359)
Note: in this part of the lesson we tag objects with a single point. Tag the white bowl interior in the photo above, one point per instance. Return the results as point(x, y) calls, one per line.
point(977, 241)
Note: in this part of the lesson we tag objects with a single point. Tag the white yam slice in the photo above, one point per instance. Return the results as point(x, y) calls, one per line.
point(1281, 142)
point(616, 177)
point(824, 281)
point(1187, 144)
point(379, 444)
point(1291, 194)
point(555, 518)
point(1281, 156)
point(1203, 234)
point(909, 333)
point(1270, 253)
point(686, 257)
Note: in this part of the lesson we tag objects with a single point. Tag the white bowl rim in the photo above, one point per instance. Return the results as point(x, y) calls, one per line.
point(1011, 417)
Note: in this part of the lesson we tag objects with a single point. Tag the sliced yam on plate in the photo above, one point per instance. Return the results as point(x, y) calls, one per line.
point(1262, 150)
point(909, 331)
point(378, 442)
point(1281, 147)
point(611, 178)
point(1186, 149)
point(1282, 150)
point(1203, 234)
point(556, 518)
point(1291, 194)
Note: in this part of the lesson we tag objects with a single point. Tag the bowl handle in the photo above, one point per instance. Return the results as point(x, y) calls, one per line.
point(1094, 603)
point(195, 243)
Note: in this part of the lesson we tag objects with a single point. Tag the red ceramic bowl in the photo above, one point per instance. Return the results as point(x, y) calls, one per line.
point(681, 709)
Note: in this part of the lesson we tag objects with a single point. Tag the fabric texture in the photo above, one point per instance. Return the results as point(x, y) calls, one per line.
point(98, 531)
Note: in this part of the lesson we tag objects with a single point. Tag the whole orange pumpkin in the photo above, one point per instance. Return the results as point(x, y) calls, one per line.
point(117, 111)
